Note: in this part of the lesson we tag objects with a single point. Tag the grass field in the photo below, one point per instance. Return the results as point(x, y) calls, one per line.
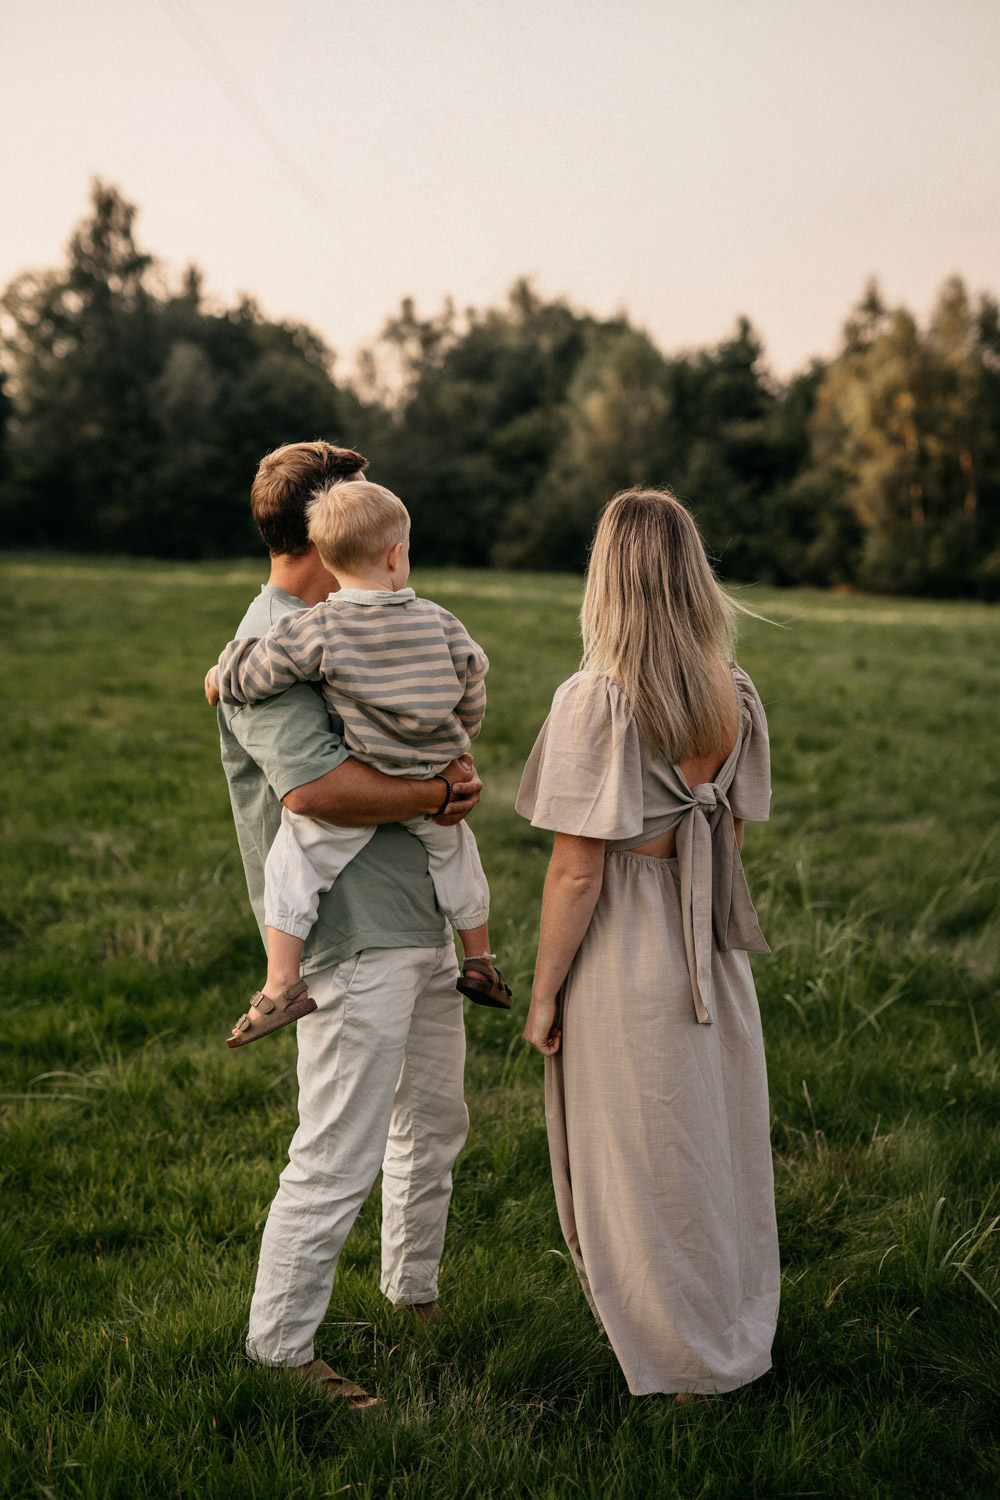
point(139, 1156)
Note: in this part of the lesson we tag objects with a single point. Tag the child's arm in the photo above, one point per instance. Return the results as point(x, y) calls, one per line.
point(472, 705)
point(251, 670)
point(471, 665)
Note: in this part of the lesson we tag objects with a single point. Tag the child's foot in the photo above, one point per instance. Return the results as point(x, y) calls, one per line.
point(482, 982)
point(264, 1015)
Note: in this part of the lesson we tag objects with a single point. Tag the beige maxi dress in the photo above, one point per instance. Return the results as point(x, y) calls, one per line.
point(656, 1104)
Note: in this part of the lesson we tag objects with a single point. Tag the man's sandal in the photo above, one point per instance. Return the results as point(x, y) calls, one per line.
point(334, 1386)
point(482, 982)
point(264, 1015)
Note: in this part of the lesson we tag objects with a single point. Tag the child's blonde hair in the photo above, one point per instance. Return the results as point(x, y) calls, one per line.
point(355, 523)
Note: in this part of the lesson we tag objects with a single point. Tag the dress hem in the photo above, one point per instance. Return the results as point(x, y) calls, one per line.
point(700, 1387)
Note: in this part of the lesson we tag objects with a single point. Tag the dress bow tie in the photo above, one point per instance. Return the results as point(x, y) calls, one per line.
point(709, 865)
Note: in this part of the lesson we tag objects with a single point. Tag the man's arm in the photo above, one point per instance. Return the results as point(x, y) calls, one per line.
point(350, 792)
point(358, 795)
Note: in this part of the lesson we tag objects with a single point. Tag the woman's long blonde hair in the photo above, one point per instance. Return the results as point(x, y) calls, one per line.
point(656, 618)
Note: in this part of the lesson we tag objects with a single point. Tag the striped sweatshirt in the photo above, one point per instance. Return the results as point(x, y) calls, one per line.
point(401, 673)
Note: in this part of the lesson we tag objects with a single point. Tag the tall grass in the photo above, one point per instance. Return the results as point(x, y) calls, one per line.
point(139, 1157)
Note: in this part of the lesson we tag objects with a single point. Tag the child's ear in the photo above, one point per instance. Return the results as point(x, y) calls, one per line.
point(393, 558)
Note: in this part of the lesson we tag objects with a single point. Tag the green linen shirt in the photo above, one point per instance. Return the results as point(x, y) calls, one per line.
point(384, 898)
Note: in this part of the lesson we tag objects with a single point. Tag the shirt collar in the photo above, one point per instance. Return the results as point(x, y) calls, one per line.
point(371, 596)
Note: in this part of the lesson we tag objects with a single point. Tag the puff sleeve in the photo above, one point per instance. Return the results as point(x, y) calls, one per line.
point(750, 790)
point(584, 775)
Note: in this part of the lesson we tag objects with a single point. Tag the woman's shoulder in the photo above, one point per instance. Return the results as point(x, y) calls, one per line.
point(749, 698)
point(584, 774)
point(750, 790)
point(593, 704)
point(580, 683)
point(594, 692)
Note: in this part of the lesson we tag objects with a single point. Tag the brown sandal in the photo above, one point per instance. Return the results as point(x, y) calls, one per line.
point(271, 1015)
point(335, 1386)
point(492, 989)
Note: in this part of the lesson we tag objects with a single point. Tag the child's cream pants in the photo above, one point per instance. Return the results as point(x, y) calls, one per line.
point(308, 854)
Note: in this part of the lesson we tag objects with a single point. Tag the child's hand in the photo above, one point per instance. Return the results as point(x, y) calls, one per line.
point(212, 685)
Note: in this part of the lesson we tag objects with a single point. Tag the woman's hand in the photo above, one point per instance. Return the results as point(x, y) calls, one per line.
point(541, 1030)
point(212, 685)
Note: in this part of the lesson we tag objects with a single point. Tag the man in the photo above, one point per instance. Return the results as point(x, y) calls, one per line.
point(380, 1061)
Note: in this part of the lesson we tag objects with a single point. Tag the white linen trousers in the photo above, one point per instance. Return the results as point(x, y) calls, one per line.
point(380, 1069)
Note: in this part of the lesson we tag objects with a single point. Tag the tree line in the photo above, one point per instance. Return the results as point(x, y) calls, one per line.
point(133, 415)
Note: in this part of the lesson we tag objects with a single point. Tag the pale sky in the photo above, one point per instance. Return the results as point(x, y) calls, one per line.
point(683, 160)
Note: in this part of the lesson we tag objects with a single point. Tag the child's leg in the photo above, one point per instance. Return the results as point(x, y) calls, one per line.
point(454, 866)
point(464, 897)
point(304, 861)
point(284, 961)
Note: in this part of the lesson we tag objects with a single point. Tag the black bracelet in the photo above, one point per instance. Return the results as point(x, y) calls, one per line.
point(447, 797)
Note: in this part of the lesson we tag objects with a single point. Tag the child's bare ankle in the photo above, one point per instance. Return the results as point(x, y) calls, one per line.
point(284, 962)
point(277, 985)
point(475, 941)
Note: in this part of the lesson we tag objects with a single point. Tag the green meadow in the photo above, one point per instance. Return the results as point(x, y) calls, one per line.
point(139, 1156)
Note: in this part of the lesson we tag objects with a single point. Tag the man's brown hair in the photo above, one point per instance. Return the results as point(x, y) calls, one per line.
point(285, 483)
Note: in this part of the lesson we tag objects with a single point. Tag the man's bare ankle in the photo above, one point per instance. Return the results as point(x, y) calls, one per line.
point(427, 1312)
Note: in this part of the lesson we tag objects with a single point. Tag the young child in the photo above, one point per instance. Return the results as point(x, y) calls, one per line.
point(407, 682)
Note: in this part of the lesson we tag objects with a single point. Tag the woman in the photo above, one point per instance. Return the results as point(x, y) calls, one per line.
point(643, 1003)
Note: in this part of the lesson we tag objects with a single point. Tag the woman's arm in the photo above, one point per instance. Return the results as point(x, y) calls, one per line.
point(572, 886)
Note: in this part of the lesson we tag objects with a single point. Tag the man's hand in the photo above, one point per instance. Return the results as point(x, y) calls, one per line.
point(466, 788)
point(212, 685)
